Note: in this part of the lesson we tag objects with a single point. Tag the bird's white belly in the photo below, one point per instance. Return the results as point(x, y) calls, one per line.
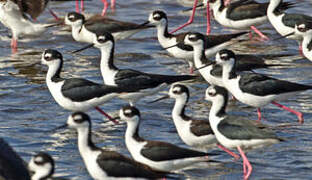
point(246, 23)
point(283, 30)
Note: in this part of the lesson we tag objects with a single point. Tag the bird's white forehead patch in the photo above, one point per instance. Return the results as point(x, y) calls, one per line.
point(39, 159)
point(72, 16)
point(156, 16)
point(128, 111)
point(48, 55)
point(212, 91)
point(302, 26)
point(223, 55)
point(76, 117)
point(177, 89)
point(101, 38)
point(192, 36)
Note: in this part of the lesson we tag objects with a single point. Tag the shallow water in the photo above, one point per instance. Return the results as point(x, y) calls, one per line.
point(28, 111)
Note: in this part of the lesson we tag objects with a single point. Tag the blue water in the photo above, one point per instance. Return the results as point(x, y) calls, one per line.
point(28, 111)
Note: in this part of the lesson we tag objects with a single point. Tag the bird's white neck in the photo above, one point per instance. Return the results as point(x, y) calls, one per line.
point(217, 112)
point(199, 55)
point(228, 71)
point(54, 70)
point(178, 109)
point(162, 32)
point(132, 132)
point(40, 174)
point(272, 6)
point(108, 69)
point(85, 143)
point(306, 40)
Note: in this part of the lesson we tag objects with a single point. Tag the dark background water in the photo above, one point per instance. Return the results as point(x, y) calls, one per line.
point(28, 111)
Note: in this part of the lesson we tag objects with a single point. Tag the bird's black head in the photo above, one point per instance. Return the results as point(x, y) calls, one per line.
point(51, 55)
point(103, 37)
point(78, 120)
point(74, 18)
point(157, 17)
point(43, 164)
point(194, 38)
point(178, 90)
point(225, 56)
point(130, 111)
point(303, 27)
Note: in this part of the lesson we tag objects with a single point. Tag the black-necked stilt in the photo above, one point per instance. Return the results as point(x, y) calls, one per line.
point(284, 23)
point(305, 30)
point(104, 164)
point(254, 89)
point(144, 83)
point(158, 155)
point(13, 17)
point(42, 167)
point(83, 30)
point(12, 165)
point(211, 71)
point(242, 14)
point(213, 45)
point(195, 133)
point(232, 134)
point(76, 94)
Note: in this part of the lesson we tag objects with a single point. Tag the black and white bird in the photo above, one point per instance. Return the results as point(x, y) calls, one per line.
point(214, 42)
point(305, 30)
point(76, 94)
point(105, 164)
point(284, 23)
point(235, 133)
point(254, 89)
point(83, 29)
point(42, 166)
point(243, 14)
point(158, 155)
point(143, 83)
point(193, 132)
point(211, 71)
point(12, 16)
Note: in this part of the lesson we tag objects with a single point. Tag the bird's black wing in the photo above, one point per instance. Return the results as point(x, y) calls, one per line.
point(261, 85)
point(243, 132)
point(290, 20)
point(117, 165)
point(32, 7)
point(215, 40)
point(98, 23)
point(201, 128)
point(139, 80)
point(78, 89)
point(247, 10)
point(161, 151)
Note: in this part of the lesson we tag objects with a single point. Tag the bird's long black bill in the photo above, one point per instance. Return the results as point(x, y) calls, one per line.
point(54, 25)
point(285, 36)
point(159, 99)
point(189, 9)
point(171, 46)
point(58, 128)
point(209, 64)
point(84, 48)
point(143, 24)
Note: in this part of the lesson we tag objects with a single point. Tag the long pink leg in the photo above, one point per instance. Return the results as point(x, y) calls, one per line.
point(259, 114)
point(105, 7)
point(245, 163)
point(113, 5)
point(190, 20)
point(236, 157)
point(54, 15)
point(227, 2)
point(81, 5)
point(299, 114)
point(208, 19)
point(77, 6)
point(300, 50)
point(13, 45)
point(263, 37)
point(106, 115)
